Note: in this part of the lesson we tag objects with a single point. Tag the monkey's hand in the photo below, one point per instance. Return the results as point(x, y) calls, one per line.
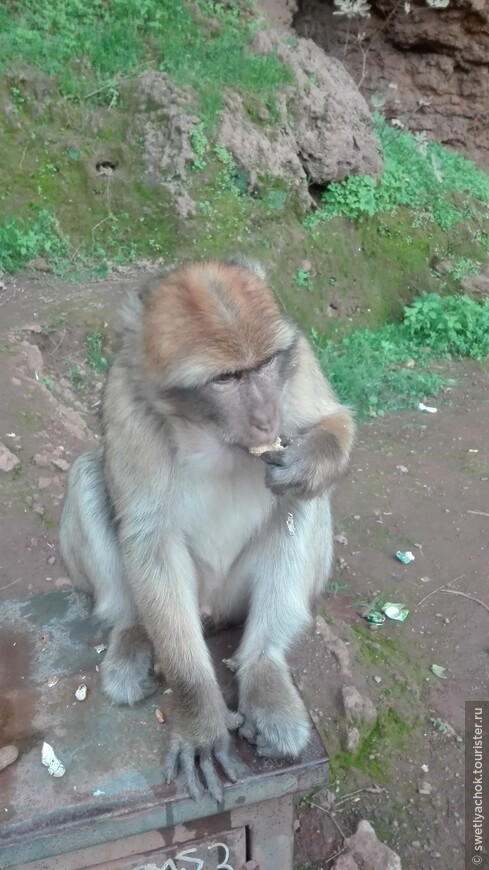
point(306, 466)
point(275, 717)
point(203, 740)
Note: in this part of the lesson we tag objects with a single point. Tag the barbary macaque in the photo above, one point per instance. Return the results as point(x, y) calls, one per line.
point(174, 517)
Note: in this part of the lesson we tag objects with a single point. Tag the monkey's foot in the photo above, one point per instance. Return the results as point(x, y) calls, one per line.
point(189, 757)
point(128, 680)
point(276, 733)
point(276, 720)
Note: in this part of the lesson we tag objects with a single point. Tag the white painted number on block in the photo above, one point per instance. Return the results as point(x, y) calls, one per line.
point(185, 856)
point(224, 865)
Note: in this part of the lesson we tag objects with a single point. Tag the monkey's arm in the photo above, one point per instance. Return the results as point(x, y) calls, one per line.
point(319, 432)
point(161, 574)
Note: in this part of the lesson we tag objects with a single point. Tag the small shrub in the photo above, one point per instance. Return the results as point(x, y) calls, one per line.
point(417, 174)
point(22, 239)
point(449, 325)
point(369, 368)
point(95, 351)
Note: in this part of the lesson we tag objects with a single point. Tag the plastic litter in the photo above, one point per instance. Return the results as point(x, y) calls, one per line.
point(405, 556)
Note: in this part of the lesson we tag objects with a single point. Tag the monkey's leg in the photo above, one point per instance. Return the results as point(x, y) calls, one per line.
point(90, 551)
point(284, 568)
point(127, 669)
point(164, 585)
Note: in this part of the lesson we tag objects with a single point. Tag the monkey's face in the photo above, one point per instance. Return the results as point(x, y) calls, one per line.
point(245, 406)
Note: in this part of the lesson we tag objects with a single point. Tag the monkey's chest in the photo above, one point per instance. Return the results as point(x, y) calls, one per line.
point(226, 516)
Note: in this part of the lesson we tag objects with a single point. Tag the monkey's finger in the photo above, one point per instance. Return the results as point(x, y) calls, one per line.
point(226, 764)
point(233, 720)
point(187, 761)
point(274, 457)
point(170, 764)
point(210, 777)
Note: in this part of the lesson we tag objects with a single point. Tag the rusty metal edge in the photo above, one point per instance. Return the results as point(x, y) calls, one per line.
point(60, 833)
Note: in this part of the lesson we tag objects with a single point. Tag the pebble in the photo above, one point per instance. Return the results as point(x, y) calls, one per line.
point(352, 739)
point(62, 464)
point(8, 754)
point(8, 460)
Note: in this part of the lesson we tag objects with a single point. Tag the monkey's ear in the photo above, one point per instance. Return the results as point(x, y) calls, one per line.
point(247, 263)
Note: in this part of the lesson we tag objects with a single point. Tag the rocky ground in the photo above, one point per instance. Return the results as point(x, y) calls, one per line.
point(418, 482)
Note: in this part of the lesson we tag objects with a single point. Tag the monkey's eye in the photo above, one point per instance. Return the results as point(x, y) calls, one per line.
point(227, 378)
point(265, 363)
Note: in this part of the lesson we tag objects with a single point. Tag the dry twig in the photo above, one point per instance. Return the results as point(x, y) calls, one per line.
point(465, 595)
point(438, 589)
point(338, 827)
point(3, 588)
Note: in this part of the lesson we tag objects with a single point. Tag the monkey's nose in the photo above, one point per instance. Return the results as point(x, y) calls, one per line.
point(264, 424)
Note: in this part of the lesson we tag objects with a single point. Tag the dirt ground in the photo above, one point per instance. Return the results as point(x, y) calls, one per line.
point(436, 505)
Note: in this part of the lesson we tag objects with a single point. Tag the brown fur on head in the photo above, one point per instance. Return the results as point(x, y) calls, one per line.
point(209, 319)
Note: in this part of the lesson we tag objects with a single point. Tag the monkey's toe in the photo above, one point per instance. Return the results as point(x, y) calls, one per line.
point(233, 720)
point(188, 758)
point(248, 731)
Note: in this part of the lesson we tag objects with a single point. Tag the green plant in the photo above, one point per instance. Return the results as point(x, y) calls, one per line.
point(463, 267)
point(449, 325)
point(417, 174)
point(200, 146)
point(96, 358)
point(48, 382)
point(76, 377)
point(388, 368)
point(22, 239)
point(230, 178)
point(377, 742)
point(92, 47)
point(301, 277)
point(368, 370)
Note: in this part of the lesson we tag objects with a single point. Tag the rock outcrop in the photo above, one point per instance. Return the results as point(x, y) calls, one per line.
point(431, 66)
point(323, 131)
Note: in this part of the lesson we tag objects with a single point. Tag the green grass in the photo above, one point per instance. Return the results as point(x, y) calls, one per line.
point(418, 174)
point(377, 744)
point(96, 358)
point(388, 368)
point(88, 46)
point(22, 239)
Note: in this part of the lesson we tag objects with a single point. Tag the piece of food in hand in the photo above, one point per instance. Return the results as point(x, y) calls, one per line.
point(265, 448)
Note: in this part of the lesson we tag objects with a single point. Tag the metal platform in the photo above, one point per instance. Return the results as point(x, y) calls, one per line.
point(111, 809)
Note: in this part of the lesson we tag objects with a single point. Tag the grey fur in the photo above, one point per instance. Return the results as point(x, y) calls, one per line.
point(172, 517)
